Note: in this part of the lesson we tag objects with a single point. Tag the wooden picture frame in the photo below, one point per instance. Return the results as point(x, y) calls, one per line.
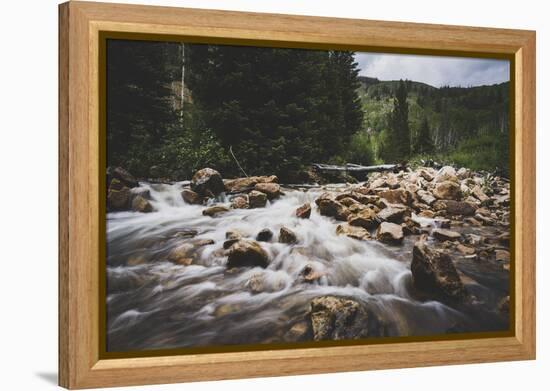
point(81, 150)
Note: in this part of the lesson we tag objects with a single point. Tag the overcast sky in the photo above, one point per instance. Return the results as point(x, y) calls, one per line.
point(434, 70)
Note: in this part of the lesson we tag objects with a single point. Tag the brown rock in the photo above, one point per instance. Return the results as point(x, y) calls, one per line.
point(309, 275)
point(393, 214)
point(427, 175)
point(207, 181)
point(246, 253)
point(257, 199)
point(446, 173)
point(287, 236)
point(427, 213)
point(479, 194)
point(434, 273)
point(140, 204)
point(365, 218)
point(445, 234)
point(215, 210)
point(447, 190)
point(118, 199)
point(116, 184)
point(426, 197)
point(332, 208)
point(338, 318)
point(123, 176)
point(246, 184)
point(240, 202)
point(304, 211)
point(358, 233)
point(459, 208)
point(347, 201)
point(191, 197)
point(465, 250)
point(389, 233)
point(272, 190)
point(397, 196)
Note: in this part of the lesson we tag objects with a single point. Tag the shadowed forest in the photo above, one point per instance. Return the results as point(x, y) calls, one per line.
point(174, 108)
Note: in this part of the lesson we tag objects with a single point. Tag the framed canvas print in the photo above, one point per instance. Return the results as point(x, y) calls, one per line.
point(248, 195)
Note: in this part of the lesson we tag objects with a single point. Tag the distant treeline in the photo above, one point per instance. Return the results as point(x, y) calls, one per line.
point(278, 110)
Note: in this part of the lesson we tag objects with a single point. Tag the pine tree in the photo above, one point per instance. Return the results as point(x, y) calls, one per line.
point(423, 143)
point(398, 144)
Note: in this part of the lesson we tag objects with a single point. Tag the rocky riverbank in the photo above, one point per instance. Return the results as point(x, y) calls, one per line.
point(340, 261)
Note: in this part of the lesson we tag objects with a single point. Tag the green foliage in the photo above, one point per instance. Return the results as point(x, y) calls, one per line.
point(397, 145)
point(360, 149)
point(423, 143)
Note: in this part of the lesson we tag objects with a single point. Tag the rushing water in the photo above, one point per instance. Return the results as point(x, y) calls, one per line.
point(155, 304)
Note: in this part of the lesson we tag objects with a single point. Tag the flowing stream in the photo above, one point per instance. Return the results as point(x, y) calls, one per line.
point(155, 304)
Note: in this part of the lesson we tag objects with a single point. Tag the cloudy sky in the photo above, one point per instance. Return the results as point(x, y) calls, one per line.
point(433, 70)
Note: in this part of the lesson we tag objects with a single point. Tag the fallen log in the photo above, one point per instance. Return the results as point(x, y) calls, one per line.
point(350, 167)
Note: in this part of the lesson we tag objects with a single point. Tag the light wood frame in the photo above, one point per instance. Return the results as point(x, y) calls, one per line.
point(80, 24)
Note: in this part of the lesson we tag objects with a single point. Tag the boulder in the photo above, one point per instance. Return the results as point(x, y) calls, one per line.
point(140, 204)
point(389, 233)
point(215, 210)
point(463, 173)
point(338, 318)
point(287, 236)
point(465, 250)
point(303, 211)
point(118, 199)
point(434, 273)
point(240, 202)
point(207, 182)
point(445, 234)
point(426, 174)
point(257, 199)
point(246, 253)
point(366, 218)
point(272, 190)
point(332, 208)
point(116, 184)
point(397, 196)
point(393, 214)
point(446, 173)
point(347, 201)
point(447, 190)
point(264, 235)
point(191, 197)
point(123, 176)
point(358, 233)
point(323, 196)
point(247, 184)
point(459, 208)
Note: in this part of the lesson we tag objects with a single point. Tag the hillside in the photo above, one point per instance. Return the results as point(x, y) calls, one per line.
point(468, 125)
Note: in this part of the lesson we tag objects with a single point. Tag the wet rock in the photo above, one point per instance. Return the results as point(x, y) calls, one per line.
point(247, 184)
point(256, 283)
point(366, 218)
point(338, 318)
point(473, 239)
point(304, 211)
point(123, 176)
point(323, 196)
point(434, 273)
point(240, 202)
point(348, 201)
point(389, 233)
point(140, 204)
point(484, 220)
point(215, 210)
point(459, 208)
point(257, 199)
point(118, 199)
point(502, 255)
point(426, 213)
point(332, 208)
point(287, 236)
point(272, 190)
point(410, 227)
point(191, 197)
point(393, 214)
point(207, 181)
point(447, 190)
point(465, 250)
point(358, 233)
point(246, 253)
point(300, 331)
point(445, 234)
point(472, 221)
point(184, 253)
point(397, 196)
point(309, 275)
point(357, 207)
point(264, 235)
point(446, 173)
